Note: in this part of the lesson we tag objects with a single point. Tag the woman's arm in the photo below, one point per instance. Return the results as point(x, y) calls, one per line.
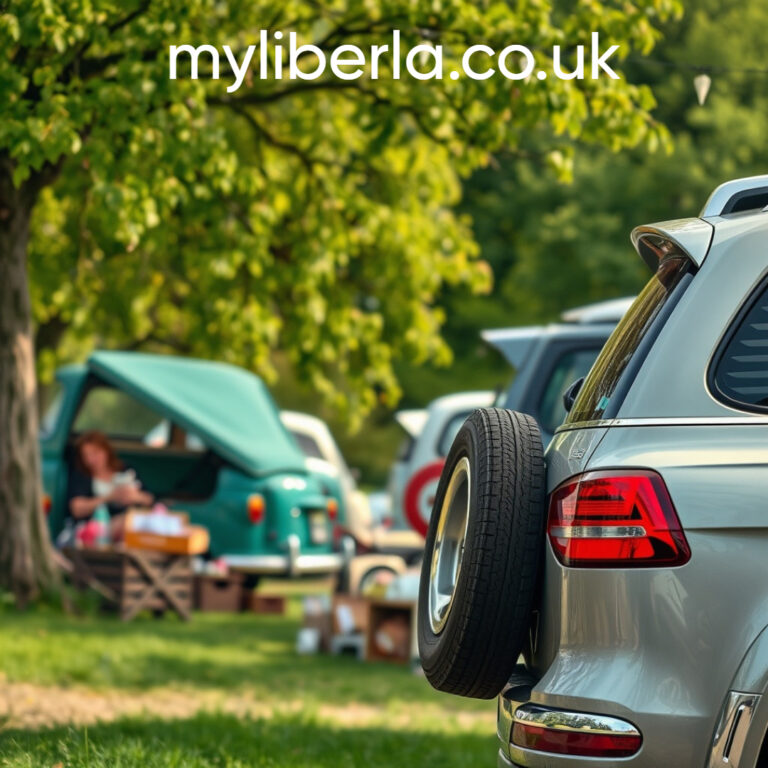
point(83, 506)
point(130, 495)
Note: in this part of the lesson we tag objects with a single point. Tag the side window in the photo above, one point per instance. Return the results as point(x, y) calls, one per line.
point(571, 366)
point(406, 449)
point(116, 414)
point(450, 431)
point(308, 445)
point(740, 373)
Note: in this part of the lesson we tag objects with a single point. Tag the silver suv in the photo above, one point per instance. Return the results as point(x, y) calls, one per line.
point(611, 590)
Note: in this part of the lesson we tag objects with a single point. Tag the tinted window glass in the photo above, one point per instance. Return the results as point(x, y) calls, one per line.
point(405, 449)
point(308, 445)
point(570, 367)
point(603, 379)
point(741, 371)
point(115, 413)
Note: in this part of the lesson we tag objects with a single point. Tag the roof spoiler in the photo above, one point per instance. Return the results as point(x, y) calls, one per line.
point(689, 237)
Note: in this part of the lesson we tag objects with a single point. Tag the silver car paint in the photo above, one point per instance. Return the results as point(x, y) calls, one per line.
point(663, 647)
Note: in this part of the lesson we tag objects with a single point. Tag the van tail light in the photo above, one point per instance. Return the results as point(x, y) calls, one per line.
point(256, 508)
point(47, 504)
point(616, 519)
point(332, 509)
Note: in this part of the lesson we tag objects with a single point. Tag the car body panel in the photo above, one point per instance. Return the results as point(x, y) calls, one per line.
point(633, 643)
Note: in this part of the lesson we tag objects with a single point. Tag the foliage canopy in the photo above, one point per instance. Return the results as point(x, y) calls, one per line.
point(310, 217)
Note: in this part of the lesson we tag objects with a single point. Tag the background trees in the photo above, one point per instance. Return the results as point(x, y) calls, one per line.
point(311, 218)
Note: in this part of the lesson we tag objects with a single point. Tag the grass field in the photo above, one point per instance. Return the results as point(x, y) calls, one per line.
point(223, 690)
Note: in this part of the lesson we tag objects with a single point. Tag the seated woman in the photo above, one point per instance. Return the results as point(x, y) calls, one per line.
point(101, 478)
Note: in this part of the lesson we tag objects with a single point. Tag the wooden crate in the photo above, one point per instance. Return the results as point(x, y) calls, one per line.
point(219, 593)
point(401, 616)
point(131, 581)
point(273, 604)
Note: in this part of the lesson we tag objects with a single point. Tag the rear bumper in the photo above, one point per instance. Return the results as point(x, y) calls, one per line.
point(736, 741)
point(293, 563)
point(515, 707)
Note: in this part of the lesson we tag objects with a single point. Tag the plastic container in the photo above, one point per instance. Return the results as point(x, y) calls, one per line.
point(101, 520)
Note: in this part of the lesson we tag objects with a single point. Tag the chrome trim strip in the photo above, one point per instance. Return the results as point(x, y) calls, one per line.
point(573, 722)
point(281, 564)
point(670, 421)
point(732, 729)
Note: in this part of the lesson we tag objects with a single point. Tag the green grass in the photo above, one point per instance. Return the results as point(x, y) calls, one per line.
point(311, 710)
point(215, 651)
point(217, 740)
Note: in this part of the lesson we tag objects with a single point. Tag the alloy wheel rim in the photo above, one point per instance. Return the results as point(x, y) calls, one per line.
point(449, 548)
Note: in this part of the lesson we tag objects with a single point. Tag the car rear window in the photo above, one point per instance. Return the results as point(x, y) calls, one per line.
point(628, 345)
point(739, 375)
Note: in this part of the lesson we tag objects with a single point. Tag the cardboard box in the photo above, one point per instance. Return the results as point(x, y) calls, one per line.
point(172, 535)
point(391, 634)
point(272, 604)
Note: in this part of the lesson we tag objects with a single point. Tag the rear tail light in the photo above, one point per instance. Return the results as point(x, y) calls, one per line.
point(583, 739)
point(47, 504)
point(617, 519)
point(256, 508)
point(332, 508)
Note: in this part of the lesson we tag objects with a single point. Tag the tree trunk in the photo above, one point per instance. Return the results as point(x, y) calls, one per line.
point(25, 554)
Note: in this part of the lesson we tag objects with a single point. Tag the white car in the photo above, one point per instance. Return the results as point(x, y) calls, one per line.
point(323, 455)
point(429, 435)
point(378, 547)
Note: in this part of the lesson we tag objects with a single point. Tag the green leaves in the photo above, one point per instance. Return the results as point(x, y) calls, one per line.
point(315, 217)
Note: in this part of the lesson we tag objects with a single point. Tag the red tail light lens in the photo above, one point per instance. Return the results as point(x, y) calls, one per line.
point(565, 742)
point(332, 508)
point(256, 508)
point(616, 519)
point(47, 504)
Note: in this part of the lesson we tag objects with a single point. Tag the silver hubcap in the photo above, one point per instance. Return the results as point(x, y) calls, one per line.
point(449, 546)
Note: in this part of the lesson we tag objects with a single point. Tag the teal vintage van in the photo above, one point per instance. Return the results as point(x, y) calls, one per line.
point(204, 437)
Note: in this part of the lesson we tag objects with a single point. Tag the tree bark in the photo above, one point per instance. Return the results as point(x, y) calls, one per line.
point(26, 565)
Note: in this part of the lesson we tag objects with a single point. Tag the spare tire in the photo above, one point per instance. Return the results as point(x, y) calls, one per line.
point(483, 553)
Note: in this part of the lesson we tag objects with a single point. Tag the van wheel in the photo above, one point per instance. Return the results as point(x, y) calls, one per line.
point(484, 547)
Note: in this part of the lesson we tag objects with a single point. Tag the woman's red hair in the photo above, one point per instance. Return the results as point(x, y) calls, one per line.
point(99, 439)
